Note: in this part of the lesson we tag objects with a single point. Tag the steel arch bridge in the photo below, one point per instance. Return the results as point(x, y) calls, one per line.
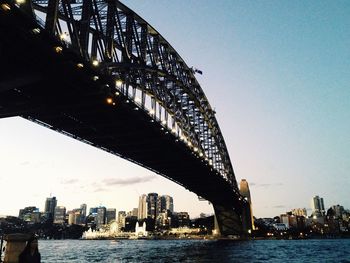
point(96, 71)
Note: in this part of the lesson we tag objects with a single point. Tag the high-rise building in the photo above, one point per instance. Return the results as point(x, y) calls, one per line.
point(317, 206)
point(75, 217)
point(60, 215)
point(83, 208)
point(121, 220)
point(143, 204)
point(111, 214)
point(101, 216)
point(245, 192)
point(30, 214)
point(169, 203)
point(152, 205)
point(165, 203)
point(50, 205)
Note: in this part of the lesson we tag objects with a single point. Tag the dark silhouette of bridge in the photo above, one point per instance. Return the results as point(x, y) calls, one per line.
point(96, 71)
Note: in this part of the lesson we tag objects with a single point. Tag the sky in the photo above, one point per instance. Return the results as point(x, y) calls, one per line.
point(277, 74)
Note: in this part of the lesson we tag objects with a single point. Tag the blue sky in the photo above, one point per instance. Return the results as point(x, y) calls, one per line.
point(278, 75)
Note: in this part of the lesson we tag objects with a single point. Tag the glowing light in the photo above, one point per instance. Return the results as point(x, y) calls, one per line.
point(80, 65)
point(137, 99)
point(109, 100)
point(151, 112)
point(5, 7)
point(189, 144)
point(95, 78)
point(164, 122)
point(95, 63)
point(36, 30)
point(63, 36)
point(58, 49)
point(201, 154)
point(118, 83)
point(173, 130)
point(20, 2)
point(195, 149)
point(117, 93)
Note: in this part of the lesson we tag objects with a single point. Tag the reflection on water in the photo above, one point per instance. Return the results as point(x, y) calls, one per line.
point(195, 251)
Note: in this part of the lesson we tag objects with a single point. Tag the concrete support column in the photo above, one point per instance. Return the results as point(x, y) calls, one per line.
point(15, 243)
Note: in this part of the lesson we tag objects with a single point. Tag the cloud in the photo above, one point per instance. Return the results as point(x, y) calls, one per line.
point(100, 189)
point(69, 181)
point(128, 181)
point(24, 163)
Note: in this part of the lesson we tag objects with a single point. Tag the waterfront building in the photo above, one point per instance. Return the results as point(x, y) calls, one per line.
point(165, 203)
point(164, 220)
point(83, 208)
point(75, 217)
point(134, 212)
point(289, 220)
point(299, 212)
point(30, 214)
point(50, 205)
point(152, 208)
point(143, 207)
point(338, 211)
point(245, 192)
point(183, 219)
point(93, 210)
point(101, 216)
point(111, 214)
point(60, 215)
point(121, 220)
point(140, 231)
point(317, 206)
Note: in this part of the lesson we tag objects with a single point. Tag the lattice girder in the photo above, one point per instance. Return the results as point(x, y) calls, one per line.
point(144, 66)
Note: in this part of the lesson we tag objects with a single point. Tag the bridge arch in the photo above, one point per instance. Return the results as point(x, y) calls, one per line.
point(132, 67)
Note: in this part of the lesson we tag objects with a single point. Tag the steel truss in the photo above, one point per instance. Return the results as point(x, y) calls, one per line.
point(142, 65)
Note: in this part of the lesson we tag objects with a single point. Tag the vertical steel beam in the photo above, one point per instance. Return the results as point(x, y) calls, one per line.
point(51, 16)
point(128, 37)
point(94, 46)
point(144, 42)
point(84, 27)
point(111, 9)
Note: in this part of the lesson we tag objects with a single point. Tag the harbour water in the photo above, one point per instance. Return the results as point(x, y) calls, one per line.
point(121, 251)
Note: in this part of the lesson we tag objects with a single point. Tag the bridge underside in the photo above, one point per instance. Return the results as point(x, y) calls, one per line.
point(40, 85)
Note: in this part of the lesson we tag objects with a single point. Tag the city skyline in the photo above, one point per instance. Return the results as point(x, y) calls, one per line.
point(276, 74)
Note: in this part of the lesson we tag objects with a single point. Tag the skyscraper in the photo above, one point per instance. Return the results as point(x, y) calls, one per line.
point(60, 215)
point(152, 205)
point(317, 206)
point(245, 192)
point(143, 203)
point(50, 205)
point(165, 203)
point(111, 214)
point(83, 208)
point(101, 216)
point(121, 220)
